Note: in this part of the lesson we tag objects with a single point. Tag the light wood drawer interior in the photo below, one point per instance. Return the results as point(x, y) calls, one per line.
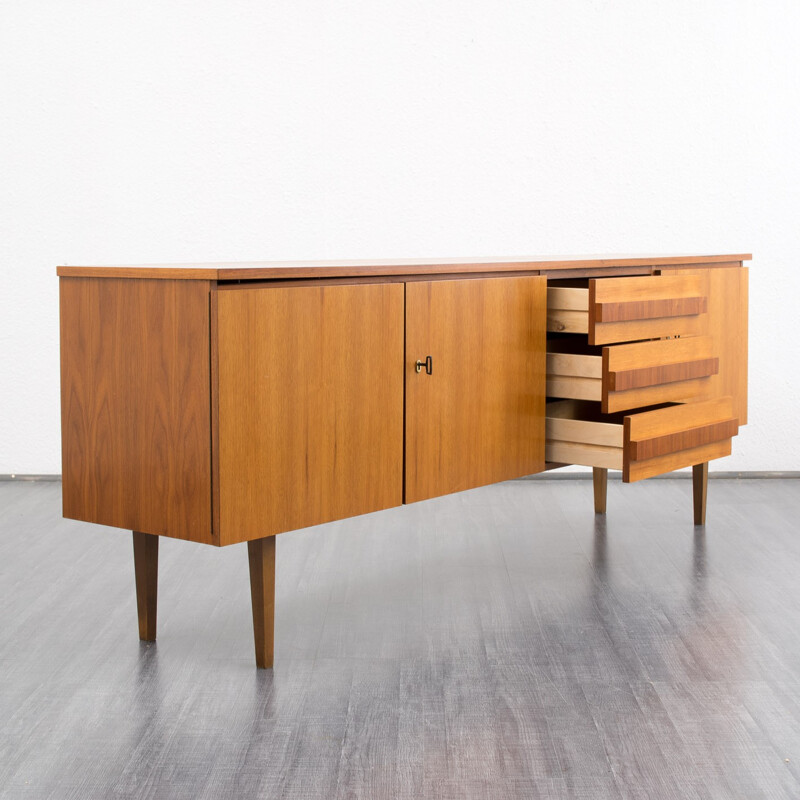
point(628, 376)
point(628, 309)
point(567, 309)
point(576, 432)
point(642, 444)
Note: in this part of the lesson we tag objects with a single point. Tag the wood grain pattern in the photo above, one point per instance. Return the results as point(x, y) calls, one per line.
point(266, 270)
point(135, 418)
point(586, 431)
point(567, 309)
point(683, 440)
point(145, 565)
point(585, 455)
point(661, 421)
point(310, 405)
point(574, 375)
point(567, 298)
point(261, 560)
point(639, 470)
point(682, 434)
point(573, 365)
point(726, 324)
point(643, 444)
point(576, 433)
point(479, 418)
point(641, 377)
point(650, 293)
point(666, 370)
point(628, 376)
point(564, 321)
point(579, 388)
point(700, 491)
point(648, 309)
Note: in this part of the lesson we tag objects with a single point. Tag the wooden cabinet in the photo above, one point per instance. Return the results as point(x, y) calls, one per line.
point(229, 403)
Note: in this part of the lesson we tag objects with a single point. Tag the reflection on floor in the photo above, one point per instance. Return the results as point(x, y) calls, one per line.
point(499, 643)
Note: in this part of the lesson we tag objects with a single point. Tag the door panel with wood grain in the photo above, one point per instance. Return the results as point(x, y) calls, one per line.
point(478, 417)
point(135, 418)
point(310, 405)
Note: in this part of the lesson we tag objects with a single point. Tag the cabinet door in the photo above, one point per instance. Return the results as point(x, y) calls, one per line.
point(310, 405)
point(478, 417)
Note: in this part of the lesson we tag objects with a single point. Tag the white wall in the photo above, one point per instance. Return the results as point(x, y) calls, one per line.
point(152, 131)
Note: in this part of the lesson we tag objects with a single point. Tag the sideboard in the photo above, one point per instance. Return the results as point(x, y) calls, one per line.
point(227, 403)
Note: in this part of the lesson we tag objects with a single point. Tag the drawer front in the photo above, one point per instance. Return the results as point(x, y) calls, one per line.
point(641, 445)
point(635, 375)
point(679, 436)
point(650, 307)
point(629, 309)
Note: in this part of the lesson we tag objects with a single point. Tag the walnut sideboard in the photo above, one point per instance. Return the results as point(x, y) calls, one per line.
point(226, 403)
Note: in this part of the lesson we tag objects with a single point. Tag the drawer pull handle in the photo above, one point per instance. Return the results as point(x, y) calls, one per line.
point(622, 380)
point(427, 363)
point(650, 309)
point(668, 443)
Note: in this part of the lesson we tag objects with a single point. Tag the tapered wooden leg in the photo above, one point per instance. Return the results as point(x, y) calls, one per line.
point(145, 565)
point(600, 481)
point(261, 554)
point(700, 491)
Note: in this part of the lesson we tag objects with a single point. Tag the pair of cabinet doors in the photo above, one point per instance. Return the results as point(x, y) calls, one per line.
point(322, 412)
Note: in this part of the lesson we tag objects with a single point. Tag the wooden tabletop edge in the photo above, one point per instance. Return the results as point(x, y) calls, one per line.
point(317, 269)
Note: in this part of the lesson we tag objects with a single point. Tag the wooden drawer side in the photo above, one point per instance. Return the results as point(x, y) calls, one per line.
point(567, 310)
point(572, 375)
point(586, 442)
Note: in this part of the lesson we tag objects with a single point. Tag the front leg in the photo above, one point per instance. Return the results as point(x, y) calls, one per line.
point(700, 491)
point(600, 482)
point(145, 565)
point(261, 555)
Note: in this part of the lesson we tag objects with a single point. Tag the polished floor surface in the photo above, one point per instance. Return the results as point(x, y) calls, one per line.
point(499, 643)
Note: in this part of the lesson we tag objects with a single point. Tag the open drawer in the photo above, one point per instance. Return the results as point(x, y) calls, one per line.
point(628, 376)
point(643, 444)
point(629, 309)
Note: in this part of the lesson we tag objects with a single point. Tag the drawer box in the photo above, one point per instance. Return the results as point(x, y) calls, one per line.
point(629, 309)
point(643, 444)
point(629, 376)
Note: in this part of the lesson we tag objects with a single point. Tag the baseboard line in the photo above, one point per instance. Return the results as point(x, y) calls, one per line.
point(31, 478)
point(550, 475)
point(553, 475)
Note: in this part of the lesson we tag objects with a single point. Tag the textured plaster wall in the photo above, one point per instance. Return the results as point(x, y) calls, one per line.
point(143, 131)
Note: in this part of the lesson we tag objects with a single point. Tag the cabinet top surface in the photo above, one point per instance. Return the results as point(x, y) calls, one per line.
point(272, 270)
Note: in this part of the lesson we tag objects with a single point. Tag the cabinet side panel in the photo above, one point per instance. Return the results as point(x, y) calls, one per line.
point(478, 418)
point(726, 324)
point(135, 409)
point(310, 405)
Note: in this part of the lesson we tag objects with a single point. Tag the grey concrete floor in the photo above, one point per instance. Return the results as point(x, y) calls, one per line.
point(499, 643)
